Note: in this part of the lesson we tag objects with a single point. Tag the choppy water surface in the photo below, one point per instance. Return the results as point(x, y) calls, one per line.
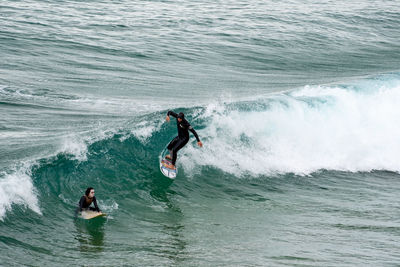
point(296, 104)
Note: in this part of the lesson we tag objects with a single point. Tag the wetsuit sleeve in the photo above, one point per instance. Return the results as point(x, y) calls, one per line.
point(194, 133)
point(95, 204)
point(173, 114)
point(81, 203)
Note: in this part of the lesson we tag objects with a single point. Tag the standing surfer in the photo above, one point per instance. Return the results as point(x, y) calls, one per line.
point(183, 136)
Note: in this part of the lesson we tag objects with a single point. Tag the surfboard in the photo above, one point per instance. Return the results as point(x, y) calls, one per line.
point(164, 166)
point(90, 214)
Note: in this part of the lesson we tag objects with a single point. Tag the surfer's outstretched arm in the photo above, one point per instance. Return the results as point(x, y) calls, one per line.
point(195, 135)
point(173, 114)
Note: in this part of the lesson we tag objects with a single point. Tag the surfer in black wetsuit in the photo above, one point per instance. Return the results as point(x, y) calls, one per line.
point(87, 200)
point(183, 135)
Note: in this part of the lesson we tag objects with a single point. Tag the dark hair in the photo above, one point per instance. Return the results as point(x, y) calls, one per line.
point(88, 191)
point(181, 115)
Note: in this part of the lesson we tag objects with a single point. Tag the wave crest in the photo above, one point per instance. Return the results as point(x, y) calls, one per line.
point(336, 128)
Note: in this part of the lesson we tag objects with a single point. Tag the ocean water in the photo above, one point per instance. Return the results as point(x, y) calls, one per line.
point(296, 103)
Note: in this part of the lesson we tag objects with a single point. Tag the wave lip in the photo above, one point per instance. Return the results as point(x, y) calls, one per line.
point(347, 128)
point(17, 188)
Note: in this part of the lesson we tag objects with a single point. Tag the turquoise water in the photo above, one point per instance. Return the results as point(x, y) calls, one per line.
point(296, 103)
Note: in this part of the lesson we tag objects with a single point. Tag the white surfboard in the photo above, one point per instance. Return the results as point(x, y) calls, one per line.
point(168, 172)
point(90, 214)
point(164, 166)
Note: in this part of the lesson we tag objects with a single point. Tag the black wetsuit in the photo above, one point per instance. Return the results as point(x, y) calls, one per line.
point(85, 203)
point(183, 136)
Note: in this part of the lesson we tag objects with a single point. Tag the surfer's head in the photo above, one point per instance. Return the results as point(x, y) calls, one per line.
point(89, 192)
point(181, 116)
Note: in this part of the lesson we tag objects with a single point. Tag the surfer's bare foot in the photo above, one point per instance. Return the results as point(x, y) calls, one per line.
point(170, 166)
point(168, 157)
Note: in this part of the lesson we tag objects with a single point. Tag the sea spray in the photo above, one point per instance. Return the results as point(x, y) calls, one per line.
point(16, 188)
point(317, 127)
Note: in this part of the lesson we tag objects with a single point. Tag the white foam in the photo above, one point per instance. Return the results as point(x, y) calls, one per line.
point(310, 129)
point(143, 130)
point(17, 188)
point(75, 146)
point(116, 105)
point(108, 205)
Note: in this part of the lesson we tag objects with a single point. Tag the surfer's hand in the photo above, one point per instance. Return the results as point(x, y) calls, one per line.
point(200, 144)
point(167, 118)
